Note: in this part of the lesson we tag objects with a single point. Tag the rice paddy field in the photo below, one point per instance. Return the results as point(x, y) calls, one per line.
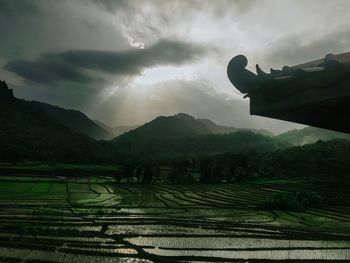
point(97, 219)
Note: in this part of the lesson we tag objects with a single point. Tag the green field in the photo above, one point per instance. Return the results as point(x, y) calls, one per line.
point(97, 219)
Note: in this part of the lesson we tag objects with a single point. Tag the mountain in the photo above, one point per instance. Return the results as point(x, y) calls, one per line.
point(179, 125)
point(117, 130)
point(183, 134)
point(75, 121)
point(28, 133)
point(219, 129)
point(310, 135)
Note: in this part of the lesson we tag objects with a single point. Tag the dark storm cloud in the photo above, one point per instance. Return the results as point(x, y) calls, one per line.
point(48, 69)
point(11, 8)
point(111, 5)
point(299, 48)
point(152, 19)
point(148, 20)
point(76, 65)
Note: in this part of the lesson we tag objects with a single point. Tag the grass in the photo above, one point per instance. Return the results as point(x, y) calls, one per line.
point(63, 169)
point(298, 201)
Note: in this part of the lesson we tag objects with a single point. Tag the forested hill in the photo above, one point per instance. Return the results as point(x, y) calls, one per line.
point(310, 135)
point(183, 134)
point(180, 125)
point(27, 133)
point(75, 121)
point(241, 141)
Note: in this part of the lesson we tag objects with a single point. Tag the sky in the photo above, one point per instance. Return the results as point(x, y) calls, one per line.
point(125, 62)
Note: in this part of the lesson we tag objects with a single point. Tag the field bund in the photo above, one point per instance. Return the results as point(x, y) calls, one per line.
point(96, 219)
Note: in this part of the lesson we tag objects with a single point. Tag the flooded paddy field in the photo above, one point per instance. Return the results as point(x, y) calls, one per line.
point(96, 219)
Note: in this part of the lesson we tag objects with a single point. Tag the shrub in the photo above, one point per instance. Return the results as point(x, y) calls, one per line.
point(281, 201)
point(297, 201)
point(310, 199)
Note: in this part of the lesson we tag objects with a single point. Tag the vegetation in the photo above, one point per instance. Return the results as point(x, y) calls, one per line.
point(182, 134)
point(300, 201)
point(54, 169)
point(297, 201)
point(324, 160)
point(96, 219)
point(27, 133)
point(310, 135)
point(327, 161)
point(242, 141)
point(177, 149)
point(75, 121)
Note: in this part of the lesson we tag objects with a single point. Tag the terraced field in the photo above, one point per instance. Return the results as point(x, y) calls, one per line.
point(96, 219)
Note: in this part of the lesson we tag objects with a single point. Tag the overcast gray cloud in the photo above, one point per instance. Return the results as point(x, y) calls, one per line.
point(103, 56)
point(218, 7)
point(71, 65)
point(299, 48)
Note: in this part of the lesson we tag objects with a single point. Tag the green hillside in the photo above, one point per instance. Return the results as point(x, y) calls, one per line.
point(75, 121)
point(27, 133)
point(183, 134)
point(310, 135)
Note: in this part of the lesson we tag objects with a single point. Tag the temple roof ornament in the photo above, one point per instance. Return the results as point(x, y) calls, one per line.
point(315, 93)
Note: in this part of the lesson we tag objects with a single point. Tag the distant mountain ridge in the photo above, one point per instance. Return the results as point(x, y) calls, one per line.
point(117, 130)
point(220, 129)
point(310, 135)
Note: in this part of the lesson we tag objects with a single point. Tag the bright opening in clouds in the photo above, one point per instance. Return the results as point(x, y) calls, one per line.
point(165, 73)
point(126, 62)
